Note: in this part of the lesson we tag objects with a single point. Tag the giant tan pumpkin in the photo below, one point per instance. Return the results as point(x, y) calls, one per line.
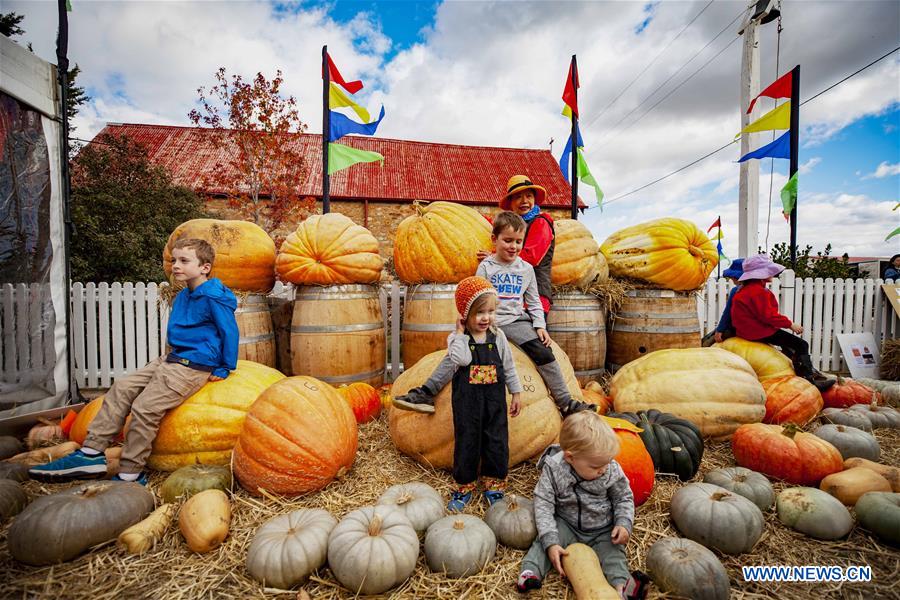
point(299, 436)
point(245, 254)
point(206, 425)
point(329, 250)
point(767, 361)
point(577, 260)
point(440, 243)
point(429, 438)
point(713, 388)
point(669, 252)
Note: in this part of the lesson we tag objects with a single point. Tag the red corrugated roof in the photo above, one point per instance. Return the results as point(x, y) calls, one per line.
point(411, 171)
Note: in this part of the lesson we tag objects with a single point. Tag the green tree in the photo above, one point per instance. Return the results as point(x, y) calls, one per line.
point(822, 264)
point(123, 209)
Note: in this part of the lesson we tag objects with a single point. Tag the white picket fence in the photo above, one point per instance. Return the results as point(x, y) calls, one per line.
point(118, 327)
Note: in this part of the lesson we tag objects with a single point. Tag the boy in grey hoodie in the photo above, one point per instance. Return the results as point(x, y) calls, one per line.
point(582, 496)
point(519, 314)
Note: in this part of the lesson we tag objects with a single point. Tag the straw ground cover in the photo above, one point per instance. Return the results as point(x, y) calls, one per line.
point(171, 571)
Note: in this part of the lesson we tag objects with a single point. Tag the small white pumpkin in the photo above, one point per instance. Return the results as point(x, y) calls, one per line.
point(420, 502)
point(286, 549)
point(373, 549)
point(459, 545)
point(512, 521)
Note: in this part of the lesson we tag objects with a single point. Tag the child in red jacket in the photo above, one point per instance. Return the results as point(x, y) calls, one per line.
point(755, 317)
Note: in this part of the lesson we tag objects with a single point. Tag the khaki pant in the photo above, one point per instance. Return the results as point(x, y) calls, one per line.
point(147, 394)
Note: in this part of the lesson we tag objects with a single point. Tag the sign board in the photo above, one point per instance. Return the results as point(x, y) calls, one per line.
point(860, 354)
point(892, 291)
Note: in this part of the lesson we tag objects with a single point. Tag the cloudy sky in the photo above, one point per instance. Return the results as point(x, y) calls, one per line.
point(656, 93)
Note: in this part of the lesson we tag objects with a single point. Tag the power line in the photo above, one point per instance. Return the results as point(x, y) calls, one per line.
point(650, 64)
point(717, 150)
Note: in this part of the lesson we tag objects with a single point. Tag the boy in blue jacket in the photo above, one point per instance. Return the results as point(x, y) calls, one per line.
point(203, 338)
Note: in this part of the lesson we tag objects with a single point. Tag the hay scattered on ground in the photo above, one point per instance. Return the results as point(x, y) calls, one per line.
point(171, 571)
point(890, 360)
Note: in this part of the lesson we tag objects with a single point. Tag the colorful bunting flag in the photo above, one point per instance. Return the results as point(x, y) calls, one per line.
point(780, 148)
point(341, 157)
point(718, 223)
point(781, 88)
point(789, 196)
point(719, 250)
point(583, 171)
point(564, 160)
point(335, 76)
point(778, 118)
point(892, 234)
point(337, 99)
point(342, 125)
point(568, 95)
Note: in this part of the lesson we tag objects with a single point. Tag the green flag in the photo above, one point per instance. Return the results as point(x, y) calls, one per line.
point(892, 234)
point(789, 195)
point(341, 157)
point(584, 174)
point(68, 5)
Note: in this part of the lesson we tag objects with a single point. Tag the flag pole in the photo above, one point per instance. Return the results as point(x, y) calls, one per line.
point(719, 245)
point(326, 130)
point(574, 138)
point(795, 155)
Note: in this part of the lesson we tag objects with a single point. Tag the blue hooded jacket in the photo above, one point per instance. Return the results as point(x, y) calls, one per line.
point(202, 327)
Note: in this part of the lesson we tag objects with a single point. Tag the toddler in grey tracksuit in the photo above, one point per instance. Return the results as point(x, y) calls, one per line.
point(582, 496)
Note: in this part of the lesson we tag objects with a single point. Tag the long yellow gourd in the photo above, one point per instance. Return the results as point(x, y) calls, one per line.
point(582, 567)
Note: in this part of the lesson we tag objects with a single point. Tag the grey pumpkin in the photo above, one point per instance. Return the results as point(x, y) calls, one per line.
point(850, 441)
point(420, 502)
point(459, 545)
point(751, 485)
point(879, 416)
point(879, 512)
point(9, 446)
point(846, 417)
point(61, 526)
point(14, 471)
point(717, 518)
point(813, 512)
point(12, 499)
point(286, 549)
point(685, 568)
point(512, 521)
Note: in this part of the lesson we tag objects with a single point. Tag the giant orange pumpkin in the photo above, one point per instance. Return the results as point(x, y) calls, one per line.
point(363, 400)
point(634, 459)
point(204, 428)
point(786, 453)
point(329, 250)
point(83, 420)
point(672, 253)
point(245, 254)
point(299, 435)
point(766, 360)
point(847, 392)
point(791, 399)
point(577, 260)
point(440, 243)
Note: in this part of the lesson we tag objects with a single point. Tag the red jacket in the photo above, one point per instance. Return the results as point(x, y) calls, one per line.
point(537, 243)
point(754, 312)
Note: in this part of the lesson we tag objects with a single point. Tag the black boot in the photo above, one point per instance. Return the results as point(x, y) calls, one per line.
point(418, 399)
point(811, 374)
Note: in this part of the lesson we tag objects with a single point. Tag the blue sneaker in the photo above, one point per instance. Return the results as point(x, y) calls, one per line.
point(459, 500)
point(142, 478)
point(77, 465)
point(492, 496)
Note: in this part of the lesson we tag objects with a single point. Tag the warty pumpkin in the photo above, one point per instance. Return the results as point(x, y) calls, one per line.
point(785, 453)
point(767, 361)
point(459, 545)
point(363, 400)
point(205, 427)
point(633, 458)
point(717, 518)
point(791, 399)
point(847, 392)
point(686, 569)
point(298, 437)
point(204, 520)
point(286, 549)
point(672, 253)
point(674, 444)
point(849, 485)
point(329, 250)
point(811, 511)
point(439, 243)
point(245, 254)
point(577, 260)
point(712, 388)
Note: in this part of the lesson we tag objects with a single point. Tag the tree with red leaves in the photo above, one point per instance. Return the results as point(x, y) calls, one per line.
point(263, 166)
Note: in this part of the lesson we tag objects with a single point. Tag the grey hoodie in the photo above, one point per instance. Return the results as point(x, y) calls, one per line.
point(516, 288)
point(586, 506)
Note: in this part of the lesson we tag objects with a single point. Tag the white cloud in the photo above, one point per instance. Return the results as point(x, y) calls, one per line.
point(884, 169)
point(809, 165)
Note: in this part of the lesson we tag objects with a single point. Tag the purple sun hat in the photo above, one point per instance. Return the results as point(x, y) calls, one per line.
point(760, 267)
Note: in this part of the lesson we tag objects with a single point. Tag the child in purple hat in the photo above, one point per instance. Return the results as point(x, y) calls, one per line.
point(755, 316)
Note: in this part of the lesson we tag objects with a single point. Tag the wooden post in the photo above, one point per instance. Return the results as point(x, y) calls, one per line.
point(748, 187)
point(326, 130)
point(795, 155)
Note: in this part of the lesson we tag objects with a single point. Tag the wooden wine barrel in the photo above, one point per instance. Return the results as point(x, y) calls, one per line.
point(337, 334)
point(257, 337)
point(577, 322)
point(429, 316)
point(652, 320)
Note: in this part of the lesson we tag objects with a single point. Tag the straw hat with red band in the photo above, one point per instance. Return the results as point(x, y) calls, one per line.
point(519, 183)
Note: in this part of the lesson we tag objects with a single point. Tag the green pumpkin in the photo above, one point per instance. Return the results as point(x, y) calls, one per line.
point(879, 512)
point(674, 444)
point(187, 481)
point(12, 499)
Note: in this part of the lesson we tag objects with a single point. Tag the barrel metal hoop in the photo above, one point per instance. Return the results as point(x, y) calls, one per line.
point(574, 308)
point(428, 327)
point(336, 328)
point(653, 329)
point(650, 315)
point(589, 372)
point(243, 310)
point(425, 296)
point(328, 297)
point(650, 293)
point(570, 329)
point(349, 378)
point(252, 339)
